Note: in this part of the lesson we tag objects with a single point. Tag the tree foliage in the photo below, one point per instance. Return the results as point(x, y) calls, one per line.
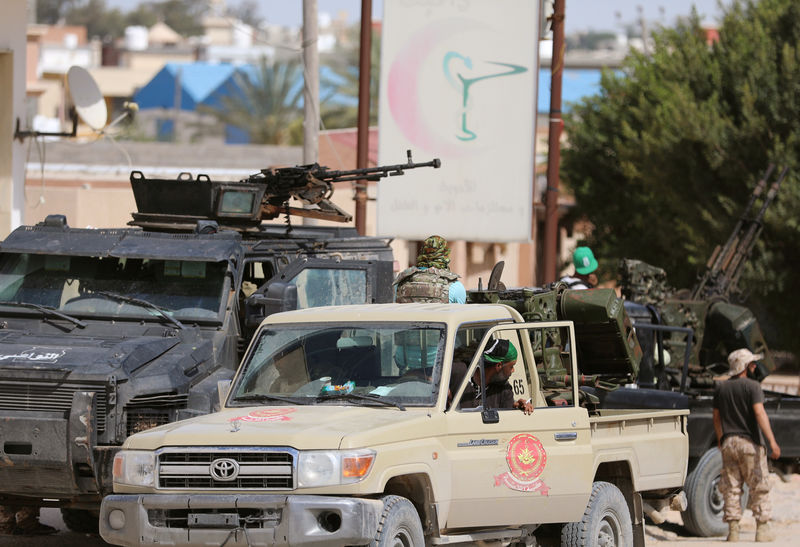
point(264, 102)
point(183, 16)
point(663, 160)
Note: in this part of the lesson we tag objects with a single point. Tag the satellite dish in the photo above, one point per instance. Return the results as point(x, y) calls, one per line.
point(86, 96)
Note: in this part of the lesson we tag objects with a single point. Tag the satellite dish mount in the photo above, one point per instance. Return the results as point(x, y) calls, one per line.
point(88, 102)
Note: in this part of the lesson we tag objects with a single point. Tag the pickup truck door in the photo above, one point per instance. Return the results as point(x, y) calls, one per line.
point(521, 469)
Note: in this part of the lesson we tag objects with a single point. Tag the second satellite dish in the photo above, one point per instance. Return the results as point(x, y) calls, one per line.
point(86, 96)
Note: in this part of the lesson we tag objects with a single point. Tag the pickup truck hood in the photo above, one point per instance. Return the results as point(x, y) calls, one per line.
point(301, 427)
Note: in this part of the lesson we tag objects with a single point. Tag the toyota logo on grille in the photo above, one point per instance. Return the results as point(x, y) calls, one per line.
point(224, 469)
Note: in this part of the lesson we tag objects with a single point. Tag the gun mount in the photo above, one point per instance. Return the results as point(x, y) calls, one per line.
point(179, 204)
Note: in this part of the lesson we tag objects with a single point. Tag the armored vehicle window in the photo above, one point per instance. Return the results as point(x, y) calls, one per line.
point(357, 364)
point(330, 287)
point(86, 286)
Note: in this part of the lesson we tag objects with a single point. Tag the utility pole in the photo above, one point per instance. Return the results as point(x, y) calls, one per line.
point(310, 87)
point(554, 144)
point(362, 151)
point(311, 79)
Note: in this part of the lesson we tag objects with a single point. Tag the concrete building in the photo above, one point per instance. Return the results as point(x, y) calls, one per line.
point(12, 108)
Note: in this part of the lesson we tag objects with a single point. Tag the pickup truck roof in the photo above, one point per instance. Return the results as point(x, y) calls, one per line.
point(452, 314)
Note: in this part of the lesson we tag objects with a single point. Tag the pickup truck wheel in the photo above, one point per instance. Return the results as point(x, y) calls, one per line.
point(703, 515)
point(399, 525)
point(81, 520)
point(605, 523)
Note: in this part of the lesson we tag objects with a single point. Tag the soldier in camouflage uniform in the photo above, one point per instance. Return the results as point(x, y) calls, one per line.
point(431, 279)
point(741, 424)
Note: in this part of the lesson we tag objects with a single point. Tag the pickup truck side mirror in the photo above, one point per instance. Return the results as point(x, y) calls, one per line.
point(490, 416)
point(223, 386)
point(277, 297)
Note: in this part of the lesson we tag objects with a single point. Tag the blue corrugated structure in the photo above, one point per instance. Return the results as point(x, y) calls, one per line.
point(198, 83)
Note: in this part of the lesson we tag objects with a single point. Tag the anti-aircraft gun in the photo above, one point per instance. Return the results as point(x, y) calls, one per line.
point(708, 321)
point(686, 336)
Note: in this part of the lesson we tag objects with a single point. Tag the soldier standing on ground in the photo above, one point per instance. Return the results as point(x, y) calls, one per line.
point(431, 279)
point(741, 424)
point(585, 264)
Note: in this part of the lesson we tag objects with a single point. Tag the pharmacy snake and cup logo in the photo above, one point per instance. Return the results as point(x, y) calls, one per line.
point(526, 459)
point(449, 52)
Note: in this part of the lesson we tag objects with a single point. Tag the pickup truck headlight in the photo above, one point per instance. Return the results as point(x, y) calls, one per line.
point(333, 467)
point(135, 468)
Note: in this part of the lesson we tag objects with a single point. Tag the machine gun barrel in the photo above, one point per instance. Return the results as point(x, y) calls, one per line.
point(725, 265)
point(375, 173)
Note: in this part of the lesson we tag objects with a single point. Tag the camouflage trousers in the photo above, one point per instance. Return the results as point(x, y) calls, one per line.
point(744, 462)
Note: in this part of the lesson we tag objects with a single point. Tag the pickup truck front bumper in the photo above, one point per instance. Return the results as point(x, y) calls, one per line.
point(238, 520)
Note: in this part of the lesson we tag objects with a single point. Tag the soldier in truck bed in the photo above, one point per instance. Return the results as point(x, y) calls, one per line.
point(585, 265)
point(431, 279)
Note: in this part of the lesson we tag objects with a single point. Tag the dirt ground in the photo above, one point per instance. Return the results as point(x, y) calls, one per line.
point(785, 498)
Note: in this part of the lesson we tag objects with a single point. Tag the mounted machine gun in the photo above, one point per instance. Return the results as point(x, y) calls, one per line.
point(178, 204)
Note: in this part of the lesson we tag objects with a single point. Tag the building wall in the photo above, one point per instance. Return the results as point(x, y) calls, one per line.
point(12, 106)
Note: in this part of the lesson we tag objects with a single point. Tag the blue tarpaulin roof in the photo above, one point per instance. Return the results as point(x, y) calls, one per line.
point(200, 83)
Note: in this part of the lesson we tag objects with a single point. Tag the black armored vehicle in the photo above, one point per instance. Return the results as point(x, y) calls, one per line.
point(108, 332)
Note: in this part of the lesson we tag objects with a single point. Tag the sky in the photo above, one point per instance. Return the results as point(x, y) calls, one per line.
point(582, 15)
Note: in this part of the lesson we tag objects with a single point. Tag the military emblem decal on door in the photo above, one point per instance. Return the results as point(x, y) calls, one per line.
point(526, 460)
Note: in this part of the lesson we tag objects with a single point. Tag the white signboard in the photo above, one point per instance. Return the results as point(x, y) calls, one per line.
point(458, 82)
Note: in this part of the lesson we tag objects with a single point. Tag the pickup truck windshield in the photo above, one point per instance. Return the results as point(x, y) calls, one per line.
point(80, 286)
point(397, 363)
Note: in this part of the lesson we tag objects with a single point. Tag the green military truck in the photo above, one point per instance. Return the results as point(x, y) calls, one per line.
point(345, 426)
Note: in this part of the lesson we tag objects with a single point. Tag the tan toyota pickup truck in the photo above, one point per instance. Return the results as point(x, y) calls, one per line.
point(350, 425)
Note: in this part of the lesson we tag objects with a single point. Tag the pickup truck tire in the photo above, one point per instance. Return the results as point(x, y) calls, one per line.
point(81, 520)
point(399, 525)
point(605, 523)
point(703, 514)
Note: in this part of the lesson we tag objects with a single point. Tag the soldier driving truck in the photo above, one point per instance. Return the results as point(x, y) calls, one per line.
point(367, 452)
point(108, 332)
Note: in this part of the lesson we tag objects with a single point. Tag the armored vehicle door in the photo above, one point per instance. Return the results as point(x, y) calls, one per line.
point(508, 466)
point(312, 282)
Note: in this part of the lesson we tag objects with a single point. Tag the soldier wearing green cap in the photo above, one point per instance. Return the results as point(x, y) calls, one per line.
point(431, 279)
point(499, 359)
point(585, 264)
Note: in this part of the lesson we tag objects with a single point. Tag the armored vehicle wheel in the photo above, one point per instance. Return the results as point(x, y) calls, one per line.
point(703, 515)
point(81, 520)
point(605, 523)
point(399, 525)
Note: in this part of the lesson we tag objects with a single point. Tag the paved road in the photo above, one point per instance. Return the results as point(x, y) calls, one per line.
point(786, 524)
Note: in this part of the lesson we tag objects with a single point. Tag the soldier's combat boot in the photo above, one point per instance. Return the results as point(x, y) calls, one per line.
point(733, 530)
point(763, 532)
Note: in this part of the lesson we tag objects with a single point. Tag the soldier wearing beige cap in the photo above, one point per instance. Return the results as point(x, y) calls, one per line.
point(741, 425)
